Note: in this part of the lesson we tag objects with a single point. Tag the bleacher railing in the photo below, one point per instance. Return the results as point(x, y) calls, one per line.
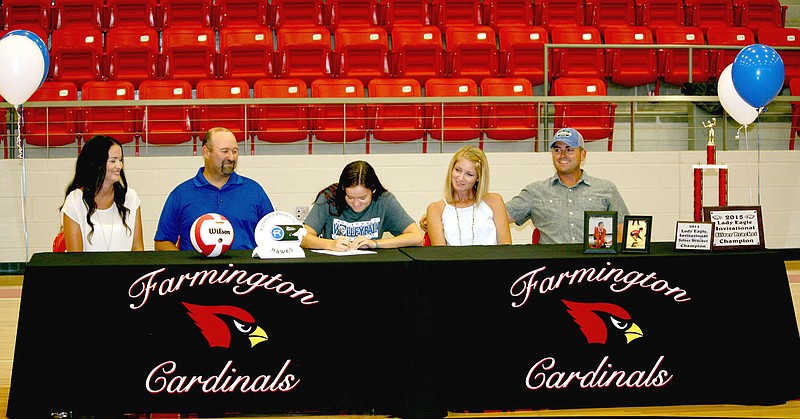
point(641, 121)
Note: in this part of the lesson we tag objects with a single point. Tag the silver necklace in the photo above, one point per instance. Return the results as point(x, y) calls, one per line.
point(100, 220)
point(458, 223)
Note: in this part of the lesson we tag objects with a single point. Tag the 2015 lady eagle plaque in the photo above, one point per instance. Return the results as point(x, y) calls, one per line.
point(735, 227)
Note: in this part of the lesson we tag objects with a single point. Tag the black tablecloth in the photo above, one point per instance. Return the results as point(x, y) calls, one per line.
point(521, 327)
point(414, 332)
point(108, 333)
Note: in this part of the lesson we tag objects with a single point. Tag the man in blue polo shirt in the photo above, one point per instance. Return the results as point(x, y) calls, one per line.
point(216, 188)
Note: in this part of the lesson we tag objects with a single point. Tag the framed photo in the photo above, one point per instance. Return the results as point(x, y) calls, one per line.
point(599, 232)
point(636, 235)
point(735, 227)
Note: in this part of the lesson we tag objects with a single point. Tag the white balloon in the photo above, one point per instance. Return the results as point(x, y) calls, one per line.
point(22, 68)
point(736, 107)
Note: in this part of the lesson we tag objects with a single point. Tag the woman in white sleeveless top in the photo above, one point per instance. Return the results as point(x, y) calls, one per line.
point(468, 214)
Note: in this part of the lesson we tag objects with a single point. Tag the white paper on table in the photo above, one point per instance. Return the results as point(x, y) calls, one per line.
point(346, 252)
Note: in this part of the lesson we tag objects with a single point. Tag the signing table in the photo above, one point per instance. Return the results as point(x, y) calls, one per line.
point(414, 332)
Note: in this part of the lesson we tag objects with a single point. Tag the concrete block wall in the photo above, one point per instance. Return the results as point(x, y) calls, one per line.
point(656, 183)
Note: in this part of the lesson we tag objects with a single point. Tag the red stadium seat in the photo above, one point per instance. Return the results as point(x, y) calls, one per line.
point(784, 37)
point(132, 54)
point(281, 123)
point(418, 52)
point(705, 14)
point(52, 126)
point(629, 66)
point(472, 52)
point(606, 13)
point(168, 124)
point(189, 53)
point(449, 13)
point(674, 63)
point(304, 53)
point(396, 121)
point(242, 13)
point(594, 120)
point(352, 13)
point(233, 117)
point(453, 121)
point(657, 13)
point(119, 122)
point(522, 52)
point(133, 14)
point(756, 14)
point(363, 53)
point(187, 14)
point(246, 53)
point(338, 123)
point(414, 13)
point(505, 13)
point(79, 14)
point(720, 35)
point(510, 121)
point(552, 13)
point(296, 13)
point(77, 55)
point(578, 62)
point(23, 14)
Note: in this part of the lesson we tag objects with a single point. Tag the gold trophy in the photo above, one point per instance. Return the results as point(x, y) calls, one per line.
point(711, 146)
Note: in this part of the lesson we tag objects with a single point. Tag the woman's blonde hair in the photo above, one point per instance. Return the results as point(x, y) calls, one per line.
point(478, 158)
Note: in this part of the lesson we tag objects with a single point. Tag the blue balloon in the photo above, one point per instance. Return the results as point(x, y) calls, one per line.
point(39, 44)
point(758, 74)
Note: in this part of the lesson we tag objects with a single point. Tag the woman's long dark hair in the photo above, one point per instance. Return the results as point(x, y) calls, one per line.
point(357, 173)
point(90, 172)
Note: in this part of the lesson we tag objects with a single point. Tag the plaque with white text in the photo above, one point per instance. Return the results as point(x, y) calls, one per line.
point(694, 235)
point(735, 227)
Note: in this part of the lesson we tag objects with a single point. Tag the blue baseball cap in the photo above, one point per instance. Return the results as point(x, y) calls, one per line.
point(570, 136)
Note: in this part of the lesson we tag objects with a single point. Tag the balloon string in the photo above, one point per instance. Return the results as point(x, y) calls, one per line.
point(23, 180)
point(20, 152)
point(758, 160)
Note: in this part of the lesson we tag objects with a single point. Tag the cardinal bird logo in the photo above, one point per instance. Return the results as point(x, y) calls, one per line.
point(219, 323)
point(597, 320)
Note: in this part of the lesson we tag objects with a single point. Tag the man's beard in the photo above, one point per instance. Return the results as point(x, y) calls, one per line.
point(227, 168)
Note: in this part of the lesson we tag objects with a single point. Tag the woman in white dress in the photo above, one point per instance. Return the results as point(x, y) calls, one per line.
point(100, 212)
point(469, 214)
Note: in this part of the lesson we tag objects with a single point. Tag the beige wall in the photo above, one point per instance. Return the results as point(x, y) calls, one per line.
point(656, 183)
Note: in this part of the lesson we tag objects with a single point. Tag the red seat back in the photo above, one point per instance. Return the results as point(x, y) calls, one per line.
point(338, 123)
point(55, 126)
point(453, 121)
point(472, 52)
point(233, 117)
point(631, 67)
point(132, 54)
point(396, 121)
point(418, 52)
point(304, 53)
point(509, 121)
point(522, 52)
point(246, 53)
point(280, 123)
point(363, 53)
point(578, 62)
point(594, 120)
point(166, 124)
point(119, 122)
